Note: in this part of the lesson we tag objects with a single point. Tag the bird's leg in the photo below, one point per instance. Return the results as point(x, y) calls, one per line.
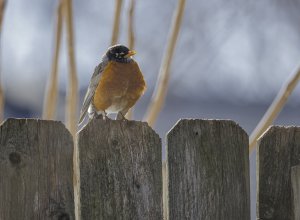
point(93, 113)
point(105, 115)
point(102, 115)
point(121, 115)
point(99, 116)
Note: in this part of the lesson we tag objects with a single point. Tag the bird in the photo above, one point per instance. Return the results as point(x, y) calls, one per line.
point(115, 86)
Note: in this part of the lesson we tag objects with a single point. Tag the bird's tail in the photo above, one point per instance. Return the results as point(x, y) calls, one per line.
point(81, 117)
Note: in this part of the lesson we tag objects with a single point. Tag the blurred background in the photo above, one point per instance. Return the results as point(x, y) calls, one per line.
point(230, 60)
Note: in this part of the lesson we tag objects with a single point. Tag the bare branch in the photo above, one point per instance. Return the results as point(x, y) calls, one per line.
point(274, 109)
point(161, 88)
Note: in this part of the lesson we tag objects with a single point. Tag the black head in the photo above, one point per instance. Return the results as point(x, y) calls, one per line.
point(120, 53)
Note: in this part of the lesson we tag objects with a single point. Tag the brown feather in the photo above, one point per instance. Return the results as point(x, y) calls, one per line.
point(120, 86)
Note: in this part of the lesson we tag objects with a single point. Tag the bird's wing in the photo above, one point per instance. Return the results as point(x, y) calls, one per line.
point(91, 89)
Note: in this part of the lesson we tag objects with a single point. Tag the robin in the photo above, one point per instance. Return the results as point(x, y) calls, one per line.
point(115, 86)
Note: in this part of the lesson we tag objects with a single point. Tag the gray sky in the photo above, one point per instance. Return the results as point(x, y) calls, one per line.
point(236, 51)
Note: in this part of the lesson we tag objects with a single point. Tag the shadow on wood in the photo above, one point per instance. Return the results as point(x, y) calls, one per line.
point(208, 171)
point(295, 178)
point(165, 189)
point(120, 170)
point(277, 151)
point(36, 159)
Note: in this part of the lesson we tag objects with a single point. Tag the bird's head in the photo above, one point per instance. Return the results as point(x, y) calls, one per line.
point(120, 53)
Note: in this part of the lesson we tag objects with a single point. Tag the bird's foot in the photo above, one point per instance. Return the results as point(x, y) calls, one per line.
point(105, 117)
point(102, 116)
point(120, 116)
point(99, 116)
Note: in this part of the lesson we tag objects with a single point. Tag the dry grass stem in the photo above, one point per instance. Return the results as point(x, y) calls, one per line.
point(161, 88)
point(274, 109)
point(116, 27)
point(131, 37)
point(72, 95)
point(50, 103)
point(2, 7)
point(131, 40)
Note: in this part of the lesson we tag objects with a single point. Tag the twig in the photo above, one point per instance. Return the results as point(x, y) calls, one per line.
point(116, 27)
point(274, 109)
point(2, 7)
point(50, 103)
point(72, 96)
point(131, 40)
point(161, 88)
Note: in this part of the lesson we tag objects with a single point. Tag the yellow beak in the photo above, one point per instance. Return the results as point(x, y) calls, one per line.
point(130, 53)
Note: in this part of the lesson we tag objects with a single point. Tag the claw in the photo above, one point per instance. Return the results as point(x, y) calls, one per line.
point(102, 116)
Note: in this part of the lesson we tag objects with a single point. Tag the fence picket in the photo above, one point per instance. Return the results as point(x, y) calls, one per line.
point(295, 178)
point(277, 151)
point(36, 168)
point(120, 171)
point(208, 171)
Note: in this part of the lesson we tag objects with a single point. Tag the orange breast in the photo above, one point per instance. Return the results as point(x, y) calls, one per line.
point(120, 86)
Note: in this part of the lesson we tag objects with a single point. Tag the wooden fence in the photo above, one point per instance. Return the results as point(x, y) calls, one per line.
point(115, 171)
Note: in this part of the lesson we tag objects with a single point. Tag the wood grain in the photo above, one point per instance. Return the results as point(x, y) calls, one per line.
point(36, 170)
point(165, 189)
point(278, 150)
point(208, 171)
point(120, 171)
point(295, 178)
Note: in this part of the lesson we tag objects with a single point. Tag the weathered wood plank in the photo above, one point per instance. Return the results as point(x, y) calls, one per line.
point(277, 151)
point(36, 168)
point(208, 171)
point(165, 189)
point(295, 178)
point(120, 170)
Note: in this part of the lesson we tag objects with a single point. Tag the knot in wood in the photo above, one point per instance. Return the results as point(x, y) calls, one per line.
point(115, 142)
point(14, 158)
point(63, 216)
point(269, 212)
point(137, 184)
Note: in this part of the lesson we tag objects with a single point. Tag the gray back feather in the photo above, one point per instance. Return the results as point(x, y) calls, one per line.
point(92, 87)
